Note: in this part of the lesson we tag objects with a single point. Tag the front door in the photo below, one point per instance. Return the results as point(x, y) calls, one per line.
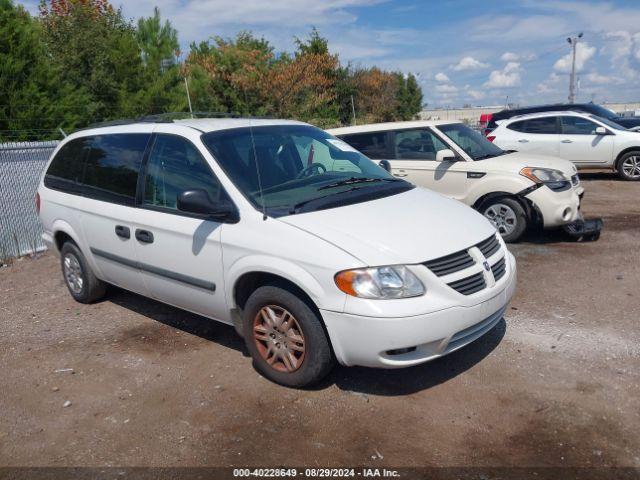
point(179, 255)
point(414, 159)
point(580, 144)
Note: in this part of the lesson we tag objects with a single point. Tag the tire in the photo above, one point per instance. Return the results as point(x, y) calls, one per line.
point(82, 284)
point(280, 319)
point(507, 215)
point(628, 166)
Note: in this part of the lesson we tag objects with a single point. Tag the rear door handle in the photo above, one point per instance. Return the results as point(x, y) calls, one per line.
point(523, 140)
point(123, 232)
point(567, 141)
point(144, 236)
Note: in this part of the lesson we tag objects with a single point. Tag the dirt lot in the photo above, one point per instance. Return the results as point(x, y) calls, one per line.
point(555, 384)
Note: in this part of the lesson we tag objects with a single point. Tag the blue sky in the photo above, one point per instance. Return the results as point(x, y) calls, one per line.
point(463, 51)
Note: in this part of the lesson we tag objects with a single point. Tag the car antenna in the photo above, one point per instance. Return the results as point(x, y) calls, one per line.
point(255, 158)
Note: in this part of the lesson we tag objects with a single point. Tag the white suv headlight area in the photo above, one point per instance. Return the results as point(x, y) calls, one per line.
point(554, 179)
point(381, 283)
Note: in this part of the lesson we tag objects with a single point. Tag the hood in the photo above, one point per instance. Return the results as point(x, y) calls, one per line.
point(518, 160)
point(407, 228)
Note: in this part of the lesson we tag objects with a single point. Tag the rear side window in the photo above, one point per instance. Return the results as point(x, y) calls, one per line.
point(373, 145)
point(541, 125)
point(175, 165)
point(65, 171)
point(112, 166)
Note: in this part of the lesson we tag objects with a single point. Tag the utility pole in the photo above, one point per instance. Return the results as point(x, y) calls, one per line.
point(353, 110)
point(573, 41)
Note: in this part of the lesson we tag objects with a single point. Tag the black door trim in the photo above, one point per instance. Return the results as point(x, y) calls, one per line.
point(195, 282)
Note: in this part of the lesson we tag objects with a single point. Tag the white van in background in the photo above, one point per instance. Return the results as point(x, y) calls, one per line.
point(306, 246)
point(513, 190)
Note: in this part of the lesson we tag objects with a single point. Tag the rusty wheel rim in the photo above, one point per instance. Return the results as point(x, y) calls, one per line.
point(279, 338)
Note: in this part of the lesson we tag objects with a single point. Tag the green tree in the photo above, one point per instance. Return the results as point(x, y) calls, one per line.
point(409, 97)
point(35, 99)
point(98, 51)
point(158, 41)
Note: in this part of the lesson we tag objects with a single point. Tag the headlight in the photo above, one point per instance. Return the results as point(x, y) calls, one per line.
point(554, 179)
point(380, 282)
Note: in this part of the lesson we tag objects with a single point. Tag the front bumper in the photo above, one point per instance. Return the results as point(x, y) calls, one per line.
point(367, 341)
point(557, 208)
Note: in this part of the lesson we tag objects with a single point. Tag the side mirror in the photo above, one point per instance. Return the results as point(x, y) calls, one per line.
point(385, 164)
point(197, 201)
point(601, 131)
point(446, 155)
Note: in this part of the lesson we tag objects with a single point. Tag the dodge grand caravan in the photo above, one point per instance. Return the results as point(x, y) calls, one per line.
point(303, 244)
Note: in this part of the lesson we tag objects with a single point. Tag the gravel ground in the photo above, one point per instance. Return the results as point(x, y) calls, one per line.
point(555, 384)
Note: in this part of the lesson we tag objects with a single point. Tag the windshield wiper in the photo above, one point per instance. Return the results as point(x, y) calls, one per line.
point(354, 180)
point(484, 157)
point(293, 210)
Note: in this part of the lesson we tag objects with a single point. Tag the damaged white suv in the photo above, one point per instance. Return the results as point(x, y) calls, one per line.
point(513, 190)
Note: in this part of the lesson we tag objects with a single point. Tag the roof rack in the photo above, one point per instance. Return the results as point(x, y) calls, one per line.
point(170, 117)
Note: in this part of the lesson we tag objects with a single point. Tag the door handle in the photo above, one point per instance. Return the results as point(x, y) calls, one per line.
point(523, 140)
point(400, 173)
point(144, 236)
point(123, 232)
point(567, 141)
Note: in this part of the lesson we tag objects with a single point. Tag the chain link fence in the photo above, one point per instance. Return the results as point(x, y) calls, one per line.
point(21, 164)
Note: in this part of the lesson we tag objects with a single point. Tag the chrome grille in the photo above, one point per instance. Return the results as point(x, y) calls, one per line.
point(469, 285)
point(450, 263)
point(489, 246)
point(498, 269)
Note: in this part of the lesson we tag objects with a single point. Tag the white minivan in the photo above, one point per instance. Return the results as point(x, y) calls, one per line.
point(307, 247)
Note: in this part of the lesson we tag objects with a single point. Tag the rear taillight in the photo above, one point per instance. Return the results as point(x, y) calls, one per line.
point(491, 138)
point(37, 203)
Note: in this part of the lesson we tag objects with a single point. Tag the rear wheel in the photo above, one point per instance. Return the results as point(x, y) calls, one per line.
point(83, 285)
point(507, 216)
point(285, 338)
point(629, 166)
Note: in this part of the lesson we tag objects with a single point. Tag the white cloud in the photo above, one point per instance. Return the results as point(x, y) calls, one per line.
point(508, 77)
point(441, 77)
point(468, 63)
point(584, 53)
point(515, 57)
point(598, 79)
point(446, 88)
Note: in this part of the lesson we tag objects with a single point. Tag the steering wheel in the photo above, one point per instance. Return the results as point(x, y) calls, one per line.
point(314, 168)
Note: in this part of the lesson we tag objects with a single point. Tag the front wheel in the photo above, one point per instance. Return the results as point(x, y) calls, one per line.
point(285, 338)
point(507, 216)
point(629, 166)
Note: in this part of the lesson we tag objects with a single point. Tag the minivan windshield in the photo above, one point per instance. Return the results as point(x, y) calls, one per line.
point(472, 142)
point(290, 169)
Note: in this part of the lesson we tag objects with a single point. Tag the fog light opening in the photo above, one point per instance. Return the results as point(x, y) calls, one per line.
point(400, 351)
point(566, 214)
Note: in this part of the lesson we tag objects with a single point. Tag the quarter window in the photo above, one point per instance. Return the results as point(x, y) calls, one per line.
point(111, 171)
point(373, 145)
point(577, 126)
point(418, 144)
point(65, 171)
point(175, 165)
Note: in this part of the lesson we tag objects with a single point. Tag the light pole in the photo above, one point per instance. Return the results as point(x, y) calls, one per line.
point(573, 41)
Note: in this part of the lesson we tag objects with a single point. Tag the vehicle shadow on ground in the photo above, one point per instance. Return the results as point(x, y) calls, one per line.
point(405, 381)
point(355, 379)
point(608, 175)
point(174, 317)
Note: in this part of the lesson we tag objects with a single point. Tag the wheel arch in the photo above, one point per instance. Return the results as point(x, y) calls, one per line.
point(534, 215)
point(62, 232)
point(623, 153)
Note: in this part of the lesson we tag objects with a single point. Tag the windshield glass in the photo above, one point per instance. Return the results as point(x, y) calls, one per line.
point(608, 123)
point(299, 167)
point(471, 141)
point(602, 112)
